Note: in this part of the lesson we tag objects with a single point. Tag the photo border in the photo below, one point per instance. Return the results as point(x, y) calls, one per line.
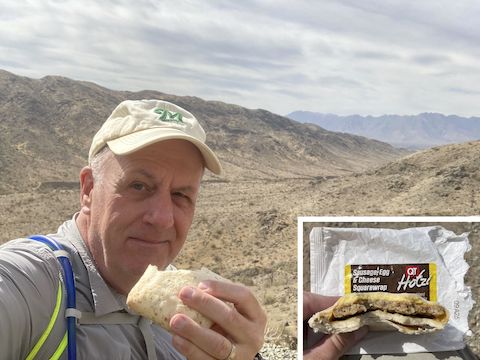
point(366, 219)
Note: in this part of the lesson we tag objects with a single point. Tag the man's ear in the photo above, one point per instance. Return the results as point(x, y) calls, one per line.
point(86, 188)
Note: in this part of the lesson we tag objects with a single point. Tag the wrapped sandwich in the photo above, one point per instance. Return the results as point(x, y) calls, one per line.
point(154, 296)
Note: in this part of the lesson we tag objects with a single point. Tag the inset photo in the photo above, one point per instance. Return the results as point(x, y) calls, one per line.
point(388, 287)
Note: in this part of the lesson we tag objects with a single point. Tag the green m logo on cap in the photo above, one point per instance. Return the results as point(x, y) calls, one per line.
point(169, 116)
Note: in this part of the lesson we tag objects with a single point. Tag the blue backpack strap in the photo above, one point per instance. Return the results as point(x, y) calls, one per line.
point(71, 313)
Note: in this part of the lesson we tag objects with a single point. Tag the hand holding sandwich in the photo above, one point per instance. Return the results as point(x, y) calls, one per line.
point(330, 347)
point(238, 332)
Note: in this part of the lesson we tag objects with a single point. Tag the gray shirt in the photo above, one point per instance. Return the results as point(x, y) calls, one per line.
point(29, 279)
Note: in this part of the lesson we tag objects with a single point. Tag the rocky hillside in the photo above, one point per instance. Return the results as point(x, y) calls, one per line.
point(439, 181)
point(46, 126)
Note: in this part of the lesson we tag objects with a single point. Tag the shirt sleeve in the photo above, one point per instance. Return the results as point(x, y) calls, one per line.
point(29, 276)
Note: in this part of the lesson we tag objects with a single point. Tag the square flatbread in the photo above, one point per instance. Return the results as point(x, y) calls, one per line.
point(154, 296)
point(407, 313)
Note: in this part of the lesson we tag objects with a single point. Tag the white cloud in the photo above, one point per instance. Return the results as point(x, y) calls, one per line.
point(348, 56)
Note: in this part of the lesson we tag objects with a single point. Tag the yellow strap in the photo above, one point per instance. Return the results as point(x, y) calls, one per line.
point(63, 344)
point(48, 330)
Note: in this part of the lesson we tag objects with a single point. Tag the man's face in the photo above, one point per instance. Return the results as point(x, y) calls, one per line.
point(141, 208)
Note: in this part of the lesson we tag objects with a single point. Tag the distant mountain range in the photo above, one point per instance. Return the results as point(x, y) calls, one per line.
point(412, 131)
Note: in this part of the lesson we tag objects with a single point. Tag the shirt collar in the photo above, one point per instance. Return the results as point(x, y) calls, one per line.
point(105, 299)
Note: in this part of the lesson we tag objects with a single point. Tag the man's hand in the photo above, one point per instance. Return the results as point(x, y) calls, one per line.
point(330, 347)
point(239, 328)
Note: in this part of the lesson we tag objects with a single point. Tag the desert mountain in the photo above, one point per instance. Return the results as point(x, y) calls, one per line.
point(415, 131)
point(245, 226)
point(46, 126)
point(443, 180)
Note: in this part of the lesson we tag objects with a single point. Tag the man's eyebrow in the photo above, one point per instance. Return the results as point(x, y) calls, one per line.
point(188, 189)
point(144, 173)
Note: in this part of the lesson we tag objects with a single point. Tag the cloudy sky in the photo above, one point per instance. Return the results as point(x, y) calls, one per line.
point(368, 57)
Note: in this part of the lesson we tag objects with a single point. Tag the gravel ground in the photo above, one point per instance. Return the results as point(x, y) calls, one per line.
point(277, 352)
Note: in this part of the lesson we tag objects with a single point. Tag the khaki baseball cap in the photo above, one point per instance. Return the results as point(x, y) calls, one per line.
point(135, 124)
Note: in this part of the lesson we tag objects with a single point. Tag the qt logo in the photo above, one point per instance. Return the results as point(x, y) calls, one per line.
point(412, 271)
point(413, 278)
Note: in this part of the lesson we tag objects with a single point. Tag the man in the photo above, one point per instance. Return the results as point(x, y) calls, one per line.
point(137, 202)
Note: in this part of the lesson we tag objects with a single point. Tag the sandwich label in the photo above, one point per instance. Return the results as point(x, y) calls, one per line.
point(420, 279)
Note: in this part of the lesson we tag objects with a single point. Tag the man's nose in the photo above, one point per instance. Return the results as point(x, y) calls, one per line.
point(159, 212)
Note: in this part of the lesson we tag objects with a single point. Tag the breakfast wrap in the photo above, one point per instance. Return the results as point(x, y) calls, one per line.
point(407, 313)
point(155, 294)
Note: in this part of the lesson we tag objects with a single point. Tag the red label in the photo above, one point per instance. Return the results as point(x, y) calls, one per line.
point(412, 270)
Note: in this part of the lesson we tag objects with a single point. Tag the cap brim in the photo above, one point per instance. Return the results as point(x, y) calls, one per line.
point(138, 140)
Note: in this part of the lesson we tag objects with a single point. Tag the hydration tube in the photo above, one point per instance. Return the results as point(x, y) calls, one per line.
point(71, 312)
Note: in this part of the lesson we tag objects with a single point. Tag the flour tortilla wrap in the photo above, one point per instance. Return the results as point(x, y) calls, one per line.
point(407, 313)
point(154, 296)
